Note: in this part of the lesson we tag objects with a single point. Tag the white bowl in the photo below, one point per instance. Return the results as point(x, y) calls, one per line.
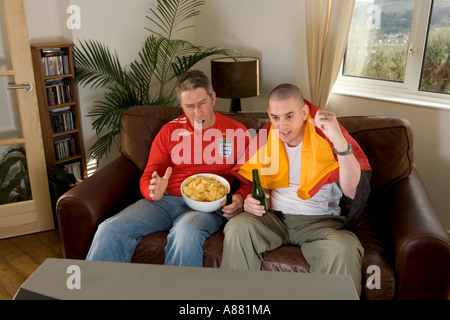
point(210, 206)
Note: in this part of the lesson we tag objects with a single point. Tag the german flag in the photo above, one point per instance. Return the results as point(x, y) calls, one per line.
point(319, 165)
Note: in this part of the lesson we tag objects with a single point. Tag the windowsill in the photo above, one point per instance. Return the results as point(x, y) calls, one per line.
point(390, 92)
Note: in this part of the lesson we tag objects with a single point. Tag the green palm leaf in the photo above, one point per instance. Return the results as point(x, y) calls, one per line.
point(149, 79)
point(103, 145)
point(95, 65)
point(183, 63)
point(169, 15)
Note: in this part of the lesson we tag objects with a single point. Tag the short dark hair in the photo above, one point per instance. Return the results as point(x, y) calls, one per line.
point(286, 91)
point(192, 80)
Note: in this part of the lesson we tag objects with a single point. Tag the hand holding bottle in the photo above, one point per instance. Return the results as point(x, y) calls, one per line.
point(232, 206)
point(254, 206)
point(257, 202)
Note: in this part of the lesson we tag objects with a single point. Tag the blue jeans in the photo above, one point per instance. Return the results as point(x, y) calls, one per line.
point(118, 236)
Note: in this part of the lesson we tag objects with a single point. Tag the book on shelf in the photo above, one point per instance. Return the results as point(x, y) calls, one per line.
point(58, 92)
point(58, 106)
point(64, 147)
point(61, 119)
point(74, 168)
point(55, 62)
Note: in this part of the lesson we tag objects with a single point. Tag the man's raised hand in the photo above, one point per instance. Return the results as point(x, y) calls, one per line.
point(158, 185)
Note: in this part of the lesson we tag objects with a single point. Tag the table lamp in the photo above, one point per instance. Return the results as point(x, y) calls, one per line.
point(235, 78)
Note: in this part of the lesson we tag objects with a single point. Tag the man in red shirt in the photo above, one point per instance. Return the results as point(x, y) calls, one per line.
point(199, 141)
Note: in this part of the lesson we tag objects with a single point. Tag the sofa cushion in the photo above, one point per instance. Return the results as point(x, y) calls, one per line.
point(284, 258)
point(371, 231)
point(388, 144)
point(151, 249)
point(139, 127)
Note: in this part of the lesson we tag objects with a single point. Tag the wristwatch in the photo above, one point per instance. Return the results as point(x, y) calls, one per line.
point(344, 153)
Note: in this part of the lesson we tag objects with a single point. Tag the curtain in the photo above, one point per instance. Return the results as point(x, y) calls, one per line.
point(327, 26)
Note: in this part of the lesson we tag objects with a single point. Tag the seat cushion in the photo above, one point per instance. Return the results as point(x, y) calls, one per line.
point(371, 232)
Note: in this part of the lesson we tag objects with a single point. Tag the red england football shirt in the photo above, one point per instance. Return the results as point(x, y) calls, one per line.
point(189, 152)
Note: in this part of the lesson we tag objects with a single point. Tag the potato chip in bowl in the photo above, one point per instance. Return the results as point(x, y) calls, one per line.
point(204, 191)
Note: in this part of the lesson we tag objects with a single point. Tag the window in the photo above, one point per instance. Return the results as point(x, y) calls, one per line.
point(399, 49)
point(379, 39)
point(436, 65)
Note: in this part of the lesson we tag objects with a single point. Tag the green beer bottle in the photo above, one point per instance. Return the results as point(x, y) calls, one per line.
point(257, 190)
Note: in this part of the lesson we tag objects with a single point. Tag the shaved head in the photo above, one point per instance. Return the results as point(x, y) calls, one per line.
point(287, 91)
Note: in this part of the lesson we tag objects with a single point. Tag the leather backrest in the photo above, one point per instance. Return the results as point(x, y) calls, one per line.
point(140, 125)
point(388, 143)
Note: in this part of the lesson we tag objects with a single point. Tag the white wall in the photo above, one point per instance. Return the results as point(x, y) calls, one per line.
point(46, 20)
point(272, 30)
point(120, 25)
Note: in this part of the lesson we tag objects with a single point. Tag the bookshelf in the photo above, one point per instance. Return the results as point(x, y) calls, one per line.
point(58, 107)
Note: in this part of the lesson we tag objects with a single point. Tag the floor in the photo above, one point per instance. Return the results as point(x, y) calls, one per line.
point(21, 256)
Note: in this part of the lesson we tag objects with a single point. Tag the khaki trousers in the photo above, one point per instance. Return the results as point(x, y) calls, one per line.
point(327, 249)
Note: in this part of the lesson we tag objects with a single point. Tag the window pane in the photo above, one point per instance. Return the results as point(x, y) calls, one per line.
point(5, 57)
point(436, 65)
point(10, 125)
point(379, 39)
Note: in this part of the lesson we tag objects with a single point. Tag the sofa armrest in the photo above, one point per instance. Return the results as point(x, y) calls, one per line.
point(421, 245)
point(81, 209)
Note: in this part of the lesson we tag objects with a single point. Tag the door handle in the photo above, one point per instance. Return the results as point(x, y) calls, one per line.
point(26, 86)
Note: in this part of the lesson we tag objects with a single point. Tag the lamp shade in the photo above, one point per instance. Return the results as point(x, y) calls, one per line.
point(234, 78)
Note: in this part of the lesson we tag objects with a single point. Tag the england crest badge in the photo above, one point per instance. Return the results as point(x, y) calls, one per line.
point(225, 148)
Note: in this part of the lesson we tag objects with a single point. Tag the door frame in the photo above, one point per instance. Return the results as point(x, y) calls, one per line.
point(34, 215)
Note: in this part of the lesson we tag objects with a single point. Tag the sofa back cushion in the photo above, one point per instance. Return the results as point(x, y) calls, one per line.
point(140, 125)
point(388, 144)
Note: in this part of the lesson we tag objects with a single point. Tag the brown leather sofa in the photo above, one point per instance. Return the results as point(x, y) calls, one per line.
point(400, 229)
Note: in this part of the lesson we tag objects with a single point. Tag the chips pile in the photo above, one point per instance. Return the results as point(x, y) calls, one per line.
point(204, 189)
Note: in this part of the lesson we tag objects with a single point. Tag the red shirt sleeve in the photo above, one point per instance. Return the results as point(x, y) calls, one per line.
point(245, 188)
point(158, 161)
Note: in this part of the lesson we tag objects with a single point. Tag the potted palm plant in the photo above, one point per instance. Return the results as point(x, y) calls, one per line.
point(146, 81)
point(15, 183)
point(14, 180)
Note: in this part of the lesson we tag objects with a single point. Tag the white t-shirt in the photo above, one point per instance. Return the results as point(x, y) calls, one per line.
point(324, 202)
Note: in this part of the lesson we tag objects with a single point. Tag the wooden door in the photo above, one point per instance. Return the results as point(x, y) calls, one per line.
point(27, 209)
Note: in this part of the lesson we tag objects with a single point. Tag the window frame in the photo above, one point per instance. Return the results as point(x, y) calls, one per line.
point(406, 92)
